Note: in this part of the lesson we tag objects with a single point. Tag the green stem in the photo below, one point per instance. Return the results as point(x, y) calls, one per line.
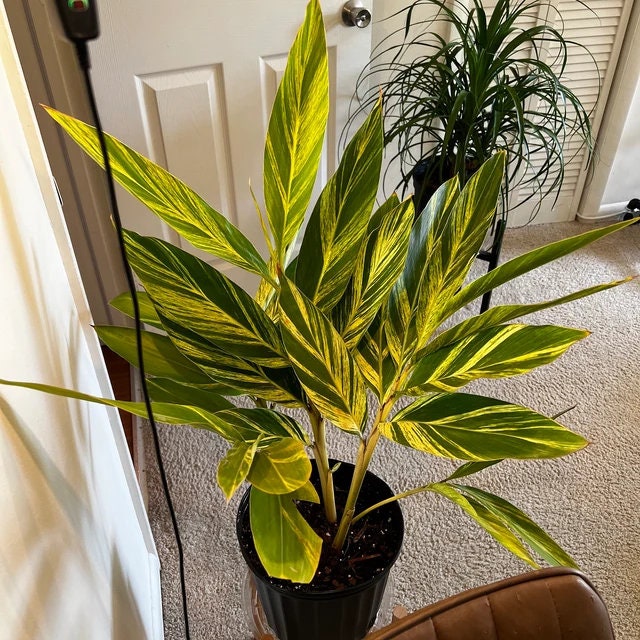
point(399, 496)
point(322, 461)
point(365, 453)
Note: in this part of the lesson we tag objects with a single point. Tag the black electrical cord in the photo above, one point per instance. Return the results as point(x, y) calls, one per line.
point(83, 57)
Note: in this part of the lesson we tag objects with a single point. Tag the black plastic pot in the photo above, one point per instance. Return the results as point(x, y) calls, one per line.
point(345, 614)
point(426, 179)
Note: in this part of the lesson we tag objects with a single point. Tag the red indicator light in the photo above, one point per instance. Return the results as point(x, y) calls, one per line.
point(78, 5)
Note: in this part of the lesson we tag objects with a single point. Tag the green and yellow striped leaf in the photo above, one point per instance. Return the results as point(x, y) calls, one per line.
point(307, 493)
point(275, 385)
point(287, 546)
point(338, 224)
point(469, 427)
point(491, 523)
point(498, 352)
point(296, 131)
point(163, 412)
point(400, 330)
point(148, 315)
point(266, 295)
point(521, 524)
point(322, 361)
point(525, 263)
point(378, 267)
point(382, 212)
point(373, 357)
point(172, 392)
point(498, 315)
point(161, 358)
point(191, 293)
point(280, 468)
point(469, 468)
point(265, 425)
point(168, 197)
point(234, 467)
point(454, 242)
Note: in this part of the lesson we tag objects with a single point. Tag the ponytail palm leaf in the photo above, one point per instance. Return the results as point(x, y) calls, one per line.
point(360, 308)
point(495, 83)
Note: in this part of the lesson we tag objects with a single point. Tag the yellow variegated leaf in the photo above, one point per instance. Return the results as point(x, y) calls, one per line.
point(172, 391)
point(275, 385)
point(265, 425)
point(322, 361)
point(401, 328)
point(163, 412)
point(487, 520)
point(521, 524)
point(469, 427)
point(498, 352)
point(454, 242)
point(338, 224)
point(148, 315)
point(498, 315)
point(296, 131)
point(161, 357)
point(374, 361)
point(280, 468)
point(307, 493)
point(469, 468)
point(287, 546)
point(234, 467)
point(266, 295)
point(169, 198)
point(525, 263)
point(191, 293)
point(379, 264)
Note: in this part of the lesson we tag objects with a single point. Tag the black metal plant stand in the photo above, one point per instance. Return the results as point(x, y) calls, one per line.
point(492, 256)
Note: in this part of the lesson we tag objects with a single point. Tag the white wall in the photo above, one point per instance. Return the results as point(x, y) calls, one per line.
point(76, 557)
point(624, 178)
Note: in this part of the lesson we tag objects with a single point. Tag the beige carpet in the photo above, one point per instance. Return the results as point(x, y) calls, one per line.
point(590, 502)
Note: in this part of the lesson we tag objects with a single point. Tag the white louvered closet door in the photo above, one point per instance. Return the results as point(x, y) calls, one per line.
point(600, 27)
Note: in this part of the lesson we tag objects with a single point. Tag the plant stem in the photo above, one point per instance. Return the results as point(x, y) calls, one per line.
point(365, 453)
point(322, 461)
point(399, 496)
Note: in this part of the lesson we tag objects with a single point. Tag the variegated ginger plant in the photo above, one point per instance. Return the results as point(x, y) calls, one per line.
point(358, 308)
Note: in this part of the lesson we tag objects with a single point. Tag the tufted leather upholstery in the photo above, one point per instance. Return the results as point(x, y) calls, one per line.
point(549, 604)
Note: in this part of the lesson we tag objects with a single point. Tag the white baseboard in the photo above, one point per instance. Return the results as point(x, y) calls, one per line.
point(605, 212)
point(612, 209)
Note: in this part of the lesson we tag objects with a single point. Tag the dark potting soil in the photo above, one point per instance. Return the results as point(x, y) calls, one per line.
point(371, 545)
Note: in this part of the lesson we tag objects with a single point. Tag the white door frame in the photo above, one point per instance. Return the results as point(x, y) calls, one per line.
point(54, 78)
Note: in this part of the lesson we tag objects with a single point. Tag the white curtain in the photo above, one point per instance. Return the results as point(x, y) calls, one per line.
point(76, 556)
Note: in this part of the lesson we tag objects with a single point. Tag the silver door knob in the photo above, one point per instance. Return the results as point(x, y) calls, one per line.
point(355, 14)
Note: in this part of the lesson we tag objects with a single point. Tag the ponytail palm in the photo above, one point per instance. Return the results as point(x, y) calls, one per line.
point(493, 82)
point(342, 329)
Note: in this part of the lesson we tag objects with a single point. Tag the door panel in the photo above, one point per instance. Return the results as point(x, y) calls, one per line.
point(193, 90)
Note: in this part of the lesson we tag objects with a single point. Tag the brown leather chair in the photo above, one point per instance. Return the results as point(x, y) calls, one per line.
point(549, 604)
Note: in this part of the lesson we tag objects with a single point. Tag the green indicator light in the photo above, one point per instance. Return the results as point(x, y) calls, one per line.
point(78, 5)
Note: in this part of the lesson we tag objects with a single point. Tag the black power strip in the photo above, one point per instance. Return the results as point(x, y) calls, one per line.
point(79, 19)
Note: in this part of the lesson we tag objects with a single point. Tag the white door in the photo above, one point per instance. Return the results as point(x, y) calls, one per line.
point(191, 85)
